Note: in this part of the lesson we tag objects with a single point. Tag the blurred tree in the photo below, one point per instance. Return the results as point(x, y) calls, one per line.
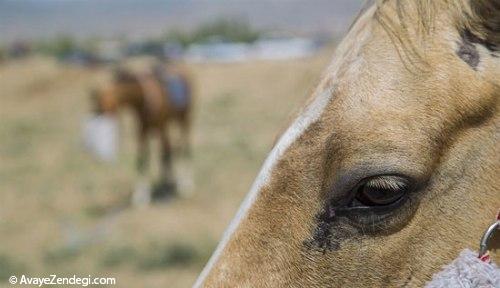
point(2, 54)
point(91, 44)
point(228, 30)
point(59, 47)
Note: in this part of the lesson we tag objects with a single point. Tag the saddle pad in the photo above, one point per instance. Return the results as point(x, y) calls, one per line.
point(177, 91)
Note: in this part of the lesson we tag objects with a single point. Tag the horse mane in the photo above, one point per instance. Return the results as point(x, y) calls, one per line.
point(409, 22)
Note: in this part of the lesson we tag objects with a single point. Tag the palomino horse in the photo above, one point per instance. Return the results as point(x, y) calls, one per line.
point(393, 166)
point(157, 98)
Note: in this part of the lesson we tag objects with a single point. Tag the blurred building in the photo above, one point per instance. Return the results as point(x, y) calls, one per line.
point(262, 49)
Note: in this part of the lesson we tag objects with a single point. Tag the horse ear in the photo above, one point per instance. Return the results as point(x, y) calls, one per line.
point(486, 21)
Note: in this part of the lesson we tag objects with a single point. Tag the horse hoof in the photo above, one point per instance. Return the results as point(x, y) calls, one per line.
point(142, 195)
point(164, 191)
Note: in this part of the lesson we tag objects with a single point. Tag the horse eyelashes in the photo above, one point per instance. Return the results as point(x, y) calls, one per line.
point(387, 182)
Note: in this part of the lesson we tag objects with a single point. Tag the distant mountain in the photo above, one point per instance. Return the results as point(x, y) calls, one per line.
point(28, 19)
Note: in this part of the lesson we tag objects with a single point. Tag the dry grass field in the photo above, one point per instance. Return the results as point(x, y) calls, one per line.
point(62, 212)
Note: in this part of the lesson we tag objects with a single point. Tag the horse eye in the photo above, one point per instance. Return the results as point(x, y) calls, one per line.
point(382, 190)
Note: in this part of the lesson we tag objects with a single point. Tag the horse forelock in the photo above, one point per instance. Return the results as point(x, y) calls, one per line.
point(409, 24)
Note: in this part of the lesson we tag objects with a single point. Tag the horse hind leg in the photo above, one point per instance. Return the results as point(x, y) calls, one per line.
point(184, 167)
point(185, 178)
point(184, 122)
point(166, 187)
point(166, 156)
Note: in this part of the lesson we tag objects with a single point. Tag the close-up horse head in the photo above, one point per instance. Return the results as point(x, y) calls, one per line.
point(391, 169)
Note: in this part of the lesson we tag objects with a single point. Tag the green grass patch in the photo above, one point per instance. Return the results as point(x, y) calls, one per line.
point(61, 255)
point(9, 267)
point(118, 256)
point(175, 254)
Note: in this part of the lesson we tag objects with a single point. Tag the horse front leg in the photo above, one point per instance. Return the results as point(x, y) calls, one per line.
point(142, 192)
point(143, 151)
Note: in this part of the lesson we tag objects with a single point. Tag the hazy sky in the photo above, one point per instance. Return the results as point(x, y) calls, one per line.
point(27, 19)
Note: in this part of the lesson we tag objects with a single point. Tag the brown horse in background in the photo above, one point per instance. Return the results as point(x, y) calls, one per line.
point(149, 96)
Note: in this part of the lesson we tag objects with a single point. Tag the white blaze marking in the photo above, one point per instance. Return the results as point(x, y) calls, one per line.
point(349, 48)
point(311, 114)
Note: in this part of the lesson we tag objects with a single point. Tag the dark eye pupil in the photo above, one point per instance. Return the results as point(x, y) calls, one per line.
point(372, 196)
